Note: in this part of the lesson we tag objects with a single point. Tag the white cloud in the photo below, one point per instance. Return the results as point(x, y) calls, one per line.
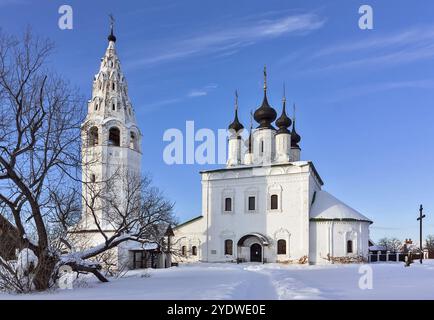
point(233, 37)
point(404, 46)
point(202, 92)
point(197, 93)
point(363, 90)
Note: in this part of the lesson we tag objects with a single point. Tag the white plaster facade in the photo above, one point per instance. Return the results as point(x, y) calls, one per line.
point(111, 143)
point(312, 225)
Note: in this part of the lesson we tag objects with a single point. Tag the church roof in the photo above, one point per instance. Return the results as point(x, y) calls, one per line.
point(249, 167)
point(327, 207)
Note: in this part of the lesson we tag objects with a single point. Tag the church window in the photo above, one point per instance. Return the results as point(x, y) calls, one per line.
point(184, 251)
point(228, 204)
point(93, 137)
point(228, 247)
point(113, 107)
point(113, 86)
point(252, 203)
point(114, 137)
point(92, 178)
point(133, 141)
point(96, 107)
point(349, 246)
point(274, 202)
point(281, 246)
point(194, 251)
point(262, 146)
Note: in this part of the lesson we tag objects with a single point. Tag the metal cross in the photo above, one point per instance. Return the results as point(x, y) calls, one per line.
point(421, 216)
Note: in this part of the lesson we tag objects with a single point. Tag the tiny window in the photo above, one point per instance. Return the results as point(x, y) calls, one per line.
point(93, 137)
point(281, 246)
point(262, 146)
point(113, 107)
point(274, 202)
point(228, 204)
point(114, 137)
point(113, 86)
point(184, 250)
point(349, 246)
point(252, 203)
point(96, 107)
point(92, 178)
point(228, 247)
point(194, 251)
point(133, 141)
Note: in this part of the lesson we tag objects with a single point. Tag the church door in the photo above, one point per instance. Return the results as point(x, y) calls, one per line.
point(256, 253)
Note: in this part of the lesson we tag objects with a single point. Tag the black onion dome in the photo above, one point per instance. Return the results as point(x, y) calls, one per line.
point(249, 142)
point(283, 122)
point(236, 124)
point(295, 137)
point(265, 114)
point(111, 36)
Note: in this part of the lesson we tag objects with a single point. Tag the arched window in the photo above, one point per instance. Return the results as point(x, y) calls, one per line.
point(93, 137)
point(262, 146)
point(194, 250)
point(114, 137)
point(274, 202)
point(113, 107)
point(184, 250)
point(349, 246)
point(281, 246)
point(96, 107)
point(228, 247)
point(228, 204)
point(133, 141)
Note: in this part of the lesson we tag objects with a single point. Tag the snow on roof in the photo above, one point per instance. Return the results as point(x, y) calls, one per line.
point(327, 207)
point(143, 246)
point(377, 248)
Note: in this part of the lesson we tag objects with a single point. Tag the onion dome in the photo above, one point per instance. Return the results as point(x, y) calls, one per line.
point(249, 141)
point(236, 125)
point(265, 114)
point(283, 122)
point(295, 137)
point(111, 36)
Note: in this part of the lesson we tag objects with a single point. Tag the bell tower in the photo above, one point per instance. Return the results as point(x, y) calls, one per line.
point(110, 135)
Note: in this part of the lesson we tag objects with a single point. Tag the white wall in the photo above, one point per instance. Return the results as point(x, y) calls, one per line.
point(330, 237)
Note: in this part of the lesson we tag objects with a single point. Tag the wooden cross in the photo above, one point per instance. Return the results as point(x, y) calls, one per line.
point(421, 216)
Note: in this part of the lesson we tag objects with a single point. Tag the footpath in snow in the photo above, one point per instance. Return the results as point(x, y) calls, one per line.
point(255, 281)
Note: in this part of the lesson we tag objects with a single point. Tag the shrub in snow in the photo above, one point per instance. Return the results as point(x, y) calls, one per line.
point(26, 262)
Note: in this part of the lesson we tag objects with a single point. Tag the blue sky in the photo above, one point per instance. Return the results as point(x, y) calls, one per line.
point(365, 97)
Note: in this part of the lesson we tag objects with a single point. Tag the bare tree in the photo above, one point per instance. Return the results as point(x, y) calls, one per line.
point(40, 117)
point(391, 244)
point(137, 212)
point(40, 201)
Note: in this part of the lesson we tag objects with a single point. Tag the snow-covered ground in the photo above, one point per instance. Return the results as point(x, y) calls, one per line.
point(257, 281)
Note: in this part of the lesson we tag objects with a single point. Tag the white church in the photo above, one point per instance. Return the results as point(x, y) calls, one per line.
point(266, 205)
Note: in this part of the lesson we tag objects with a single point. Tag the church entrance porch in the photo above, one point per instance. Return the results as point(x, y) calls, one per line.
point(251, 248)
point(256, 253)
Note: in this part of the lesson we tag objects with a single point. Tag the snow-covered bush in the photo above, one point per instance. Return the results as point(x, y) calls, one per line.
point(26, 262)
point(17, 275)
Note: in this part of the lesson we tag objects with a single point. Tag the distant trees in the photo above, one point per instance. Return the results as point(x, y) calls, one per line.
point(429, 245)
point(391, 244)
